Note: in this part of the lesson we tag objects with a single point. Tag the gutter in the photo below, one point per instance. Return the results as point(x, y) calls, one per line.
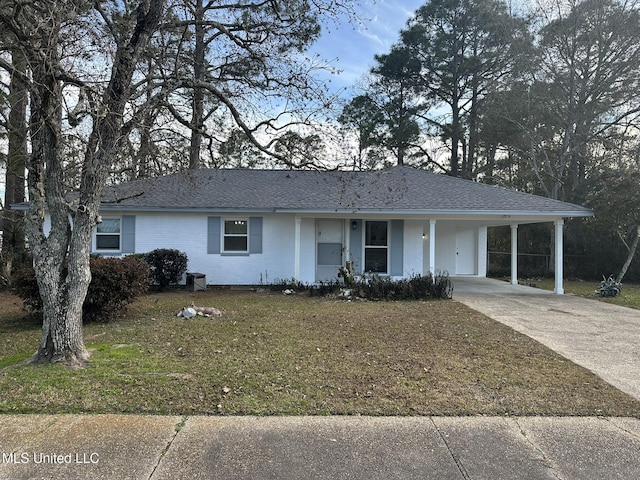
point(504, 214)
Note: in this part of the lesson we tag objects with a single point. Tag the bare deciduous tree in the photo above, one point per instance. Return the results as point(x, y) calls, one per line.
point(61, 255)
point(104, 76)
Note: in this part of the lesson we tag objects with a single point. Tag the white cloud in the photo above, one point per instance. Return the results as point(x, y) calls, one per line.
point(351, 47)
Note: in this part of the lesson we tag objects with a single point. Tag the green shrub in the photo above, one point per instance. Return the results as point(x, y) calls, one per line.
point(609, 287)
point(25, 286)
point(114, 284)
point(166, 266)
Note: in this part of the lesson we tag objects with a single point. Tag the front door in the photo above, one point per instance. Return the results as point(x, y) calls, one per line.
point(329, 249)
point(465, 252)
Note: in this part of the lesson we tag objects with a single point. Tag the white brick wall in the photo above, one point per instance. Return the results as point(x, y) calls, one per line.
point(187, 232)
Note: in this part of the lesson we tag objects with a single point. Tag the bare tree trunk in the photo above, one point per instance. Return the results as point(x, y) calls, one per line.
point(632, 252)
point(400, 155)
point(13, 241)
point(455, 138)
point(491, 164)
point(61, 258)
point(60, 290)
point(197, 119)
point(143, 158)
point(472, 145)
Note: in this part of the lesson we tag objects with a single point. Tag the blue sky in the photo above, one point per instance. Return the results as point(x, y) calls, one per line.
point(351, 47)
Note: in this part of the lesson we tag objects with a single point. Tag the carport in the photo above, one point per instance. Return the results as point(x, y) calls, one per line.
point(457, 243)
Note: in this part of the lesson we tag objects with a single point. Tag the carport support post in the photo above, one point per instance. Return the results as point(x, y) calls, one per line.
point(296, 248)
point(559, 289)
point(432, 246)
point(514, 254)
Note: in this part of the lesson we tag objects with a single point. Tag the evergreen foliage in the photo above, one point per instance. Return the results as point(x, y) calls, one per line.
point(166, 266)
point(115, 283)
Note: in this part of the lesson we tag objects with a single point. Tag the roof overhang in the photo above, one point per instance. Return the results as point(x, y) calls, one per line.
point(484, 217)
point(490, 217)
point(443, 212)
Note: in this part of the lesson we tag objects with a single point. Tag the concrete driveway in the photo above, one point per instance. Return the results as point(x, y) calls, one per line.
point(602, 337)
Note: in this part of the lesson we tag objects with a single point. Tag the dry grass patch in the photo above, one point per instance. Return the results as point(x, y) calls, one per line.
point(629, 297)
point(275, 355)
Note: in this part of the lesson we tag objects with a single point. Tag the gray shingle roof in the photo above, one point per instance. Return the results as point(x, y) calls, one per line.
point(399, 189)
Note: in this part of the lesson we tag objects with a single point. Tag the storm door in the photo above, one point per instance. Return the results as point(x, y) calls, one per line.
point(329, 248)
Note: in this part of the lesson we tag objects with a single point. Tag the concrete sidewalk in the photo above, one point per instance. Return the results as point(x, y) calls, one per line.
point(602, 337)
point(227, 448)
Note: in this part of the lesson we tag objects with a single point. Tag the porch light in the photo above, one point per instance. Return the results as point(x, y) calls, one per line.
point(354, 225)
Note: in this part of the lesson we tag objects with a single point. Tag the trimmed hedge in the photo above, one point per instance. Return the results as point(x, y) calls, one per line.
point(114, 284)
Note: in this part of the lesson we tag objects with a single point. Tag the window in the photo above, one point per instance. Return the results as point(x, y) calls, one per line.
point(236, 235)
point(376, 247)
point(108, 234)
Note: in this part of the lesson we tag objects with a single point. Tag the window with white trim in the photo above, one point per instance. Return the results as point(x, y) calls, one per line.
point(235, 235)
point(376, 247)
point(108, 234)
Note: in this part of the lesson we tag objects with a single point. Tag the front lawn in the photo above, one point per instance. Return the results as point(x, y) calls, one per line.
point(271, 354)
